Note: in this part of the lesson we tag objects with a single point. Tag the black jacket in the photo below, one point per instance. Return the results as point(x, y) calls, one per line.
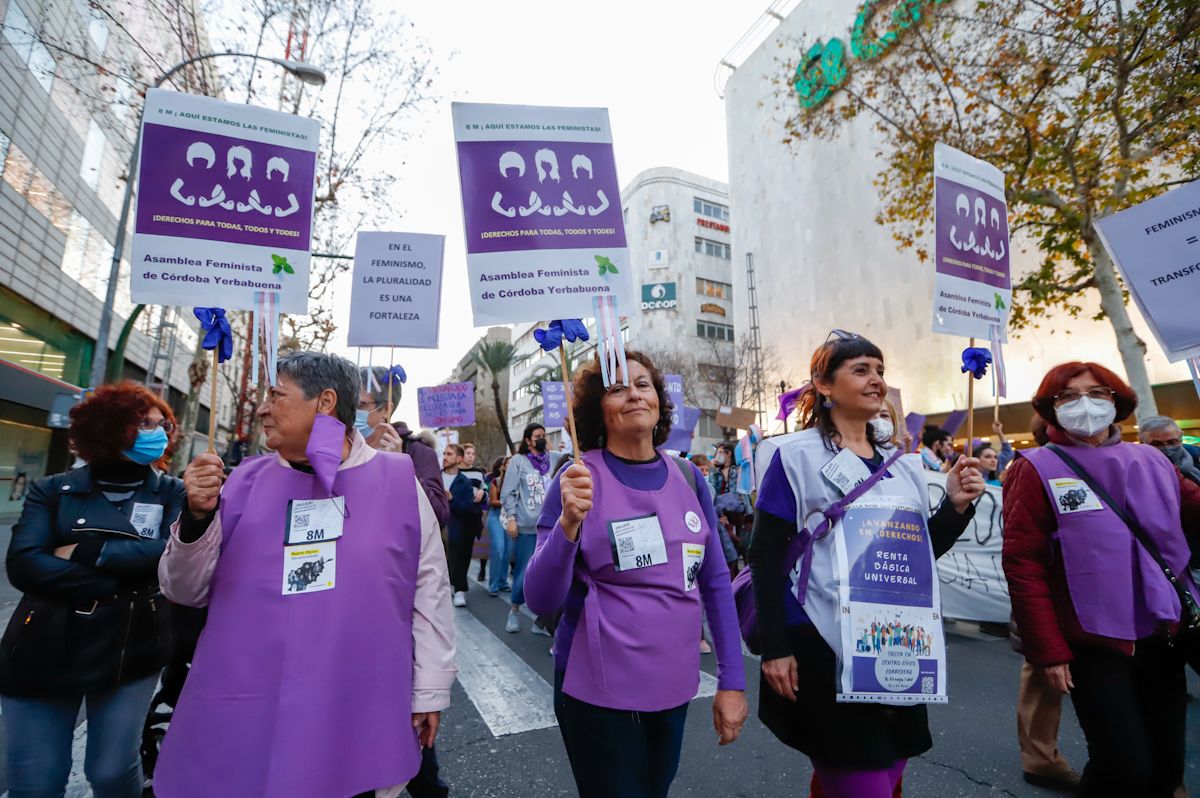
point(97, 620)
point(110, 557)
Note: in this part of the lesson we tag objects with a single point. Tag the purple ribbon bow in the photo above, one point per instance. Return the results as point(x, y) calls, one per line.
point(976, 360)
point(787, 401)
point(396, 374)
point(216, 332)
point(551, 337)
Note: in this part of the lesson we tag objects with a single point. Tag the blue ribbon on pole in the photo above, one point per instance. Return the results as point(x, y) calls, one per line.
point(396, 374)
point(217, 333)
point(570, 329)
point(976, 360)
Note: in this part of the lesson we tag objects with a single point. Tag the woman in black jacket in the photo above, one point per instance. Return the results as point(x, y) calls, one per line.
point(91, 624)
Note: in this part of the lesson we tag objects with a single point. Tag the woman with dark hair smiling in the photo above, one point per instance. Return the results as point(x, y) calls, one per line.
point(1097, 564)
point(858, 728)
point(628, 549)
point(91, 626)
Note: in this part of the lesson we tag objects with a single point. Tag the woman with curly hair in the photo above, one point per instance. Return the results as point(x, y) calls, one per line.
point(628, 549)
point(91, 625)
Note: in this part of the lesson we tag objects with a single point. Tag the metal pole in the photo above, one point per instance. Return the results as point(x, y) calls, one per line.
point(100, 357)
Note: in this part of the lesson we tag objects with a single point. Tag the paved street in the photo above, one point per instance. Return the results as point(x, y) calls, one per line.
point(499, 738)
point(974, 754)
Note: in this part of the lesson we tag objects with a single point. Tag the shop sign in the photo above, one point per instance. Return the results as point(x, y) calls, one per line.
point(659, 296)
point(711, 225)
point(709, 307)
point(823, 68)
point(660, 213)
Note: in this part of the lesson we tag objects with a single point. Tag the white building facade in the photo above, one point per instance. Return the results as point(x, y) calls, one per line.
point(678, 229)
point(806, 211)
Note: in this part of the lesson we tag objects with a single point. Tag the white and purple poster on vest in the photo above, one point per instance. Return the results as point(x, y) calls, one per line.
point(893, 646)
point(973, 286)
point(224, 204)
point(541, 211)
point(448, 405)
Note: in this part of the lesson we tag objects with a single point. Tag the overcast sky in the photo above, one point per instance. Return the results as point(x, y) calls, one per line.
point(650, 63)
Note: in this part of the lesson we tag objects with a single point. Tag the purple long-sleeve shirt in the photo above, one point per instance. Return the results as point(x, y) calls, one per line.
point(551, 582)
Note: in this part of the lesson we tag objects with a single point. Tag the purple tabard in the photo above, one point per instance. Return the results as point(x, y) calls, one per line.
point(1116, 587)
point(636, 644)
point(305, 695)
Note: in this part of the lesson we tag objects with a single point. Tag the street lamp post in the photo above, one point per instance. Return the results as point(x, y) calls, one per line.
point(782, 391)
point(305, 72)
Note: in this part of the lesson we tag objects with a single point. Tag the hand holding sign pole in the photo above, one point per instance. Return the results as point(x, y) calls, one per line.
point(554, 337)
point(219, 338)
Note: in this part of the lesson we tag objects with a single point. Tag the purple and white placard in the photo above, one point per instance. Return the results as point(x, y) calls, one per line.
point(554, 404)
point(973, 287)
point(448, 405)
point(224, 204)
point(541, 211)
point(893, 647)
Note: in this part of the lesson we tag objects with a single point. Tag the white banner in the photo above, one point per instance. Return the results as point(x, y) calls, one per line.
point(396, 290)
point(972, 577)
point(1156, 245)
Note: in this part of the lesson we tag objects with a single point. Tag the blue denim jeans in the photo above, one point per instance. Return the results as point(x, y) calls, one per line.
point(500, 552)
point(523, 548)
point(39, 732)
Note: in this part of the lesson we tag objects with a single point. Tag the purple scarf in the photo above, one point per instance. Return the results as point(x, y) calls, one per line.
point(540, 461)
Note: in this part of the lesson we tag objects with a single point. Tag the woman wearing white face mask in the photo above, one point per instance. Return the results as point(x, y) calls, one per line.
point(1096, 548)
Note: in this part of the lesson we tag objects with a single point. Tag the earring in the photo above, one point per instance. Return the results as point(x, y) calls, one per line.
point(828, 403)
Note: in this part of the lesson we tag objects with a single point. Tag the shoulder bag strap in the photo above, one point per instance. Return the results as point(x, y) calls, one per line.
point(1186, 599)
point(800, 548)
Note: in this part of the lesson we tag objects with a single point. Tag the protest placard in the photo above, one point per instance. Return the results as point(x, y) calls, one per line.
point(396, 290)
point(224, 204)
point(1156, 245)
point(683, 428)
point(973, 286)
point(554, 404)
point(448, 405)
point(541, 210)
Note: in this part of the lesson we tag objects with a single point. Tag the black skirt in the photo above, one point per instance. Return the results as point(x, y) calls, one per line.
point(859, 736)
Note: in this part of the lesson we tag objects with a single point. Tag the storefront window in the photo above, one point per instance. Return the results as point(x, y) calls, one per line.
point(23, 451)
point(28, 351)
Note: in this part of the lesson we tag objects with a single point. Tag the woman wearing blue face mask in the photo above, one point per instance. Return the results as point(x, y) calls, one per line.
point(91, 625)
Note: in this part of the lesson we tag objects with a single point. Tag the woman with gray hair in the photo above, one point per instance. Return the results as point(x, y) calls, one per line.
point(1164, 434)
point(344, 624)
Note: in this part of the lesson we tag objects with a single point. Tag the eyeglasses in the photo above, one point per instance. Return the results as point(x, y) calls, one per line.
point(1099, 394)
point(368, 406)
point(147, 425)
point(1166, 444)
point(841, 335)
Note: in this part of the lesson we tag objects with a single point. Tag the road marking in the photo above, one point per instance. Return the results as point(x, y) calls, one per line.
point(510, 695)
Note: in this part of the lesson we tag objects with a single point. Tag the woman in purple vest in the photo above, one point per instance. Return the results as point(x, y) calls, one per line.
point(1095, 610)
point(628, 548)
